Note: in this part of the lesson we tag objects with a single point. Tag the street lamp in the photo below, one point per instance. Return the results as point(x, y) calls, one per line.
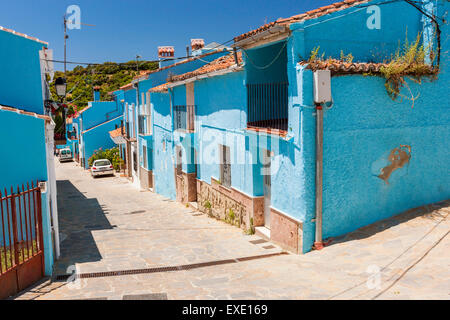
point(61, 86)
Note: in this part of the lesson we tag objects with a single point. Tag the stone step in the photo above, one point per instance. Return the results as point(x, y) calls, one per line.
point(263, 232)
point(193, 205)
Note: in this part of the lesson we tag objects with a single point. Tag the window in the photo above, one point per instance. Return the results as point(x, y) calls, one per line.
point(144, 118)
point(144, 155)
point(268, 105)
point(225, 166)
point(184, 117)
point(179, 160)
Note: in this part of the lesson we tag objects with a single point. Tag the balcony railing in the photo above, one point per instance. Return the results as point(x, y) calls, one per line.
point(268, 105)
point(184, 117)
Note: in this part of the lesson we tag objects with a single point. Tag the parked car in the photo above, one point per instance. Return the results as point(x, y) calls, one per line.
point(102, 167)
point(65, 155)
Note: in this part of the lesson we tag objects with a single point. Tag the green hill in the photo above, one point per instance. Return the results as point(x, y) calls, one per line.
point(109, 76)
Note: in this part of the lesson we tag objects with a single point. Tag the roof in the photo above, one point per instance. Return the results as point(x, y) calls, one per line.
point(340, 67)
point(23, 35)
point(160, 88)
point(99, 125)
point(180, 63)
point(312, 14)
point(127, 86)
point(116, 133)
point(85, 109)
point(222, 63)
point(27, 113)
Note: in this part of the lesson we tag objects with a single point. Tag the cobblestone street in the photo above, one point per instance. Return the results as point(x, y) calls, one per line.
point(107, 225)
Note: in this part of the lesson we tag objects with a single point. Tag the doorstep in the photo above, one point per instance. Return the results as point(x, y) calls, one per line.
point(193, 205)
point(263, 232)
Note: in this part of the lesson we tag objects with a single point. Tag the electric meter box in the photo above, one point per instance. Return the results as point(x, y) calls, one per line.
point(322, 86)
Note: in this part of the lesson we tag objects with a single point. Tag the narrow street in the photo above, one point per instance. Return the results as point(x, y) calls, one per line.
point(172, 252)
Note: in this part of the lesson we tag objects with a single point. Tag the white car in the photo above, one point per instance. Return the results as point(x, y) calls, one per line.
point(102, 167)
point(65, 155)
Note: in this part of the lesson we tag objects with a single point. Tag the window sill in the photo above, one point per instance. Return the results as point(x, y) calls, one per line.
point(277, 132)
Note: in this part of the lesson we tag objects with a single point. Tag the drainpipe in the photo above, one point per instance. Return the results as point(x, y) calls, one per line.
point(318, 244)
point(322, 95)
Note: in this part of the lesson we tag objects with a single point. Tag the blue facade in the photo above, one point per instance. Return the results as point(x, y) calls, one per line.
point(20, 56)
point(24, 150)
point(95, 122)
point(361, 130)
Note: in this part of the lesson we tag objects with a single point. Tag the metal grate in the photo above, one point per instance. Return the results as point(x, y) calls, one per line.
point(167, 269)
point(268, 105)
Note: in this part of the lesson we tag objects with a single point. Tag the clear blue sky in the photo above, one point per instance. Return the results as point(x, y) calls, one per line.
point(124, 28)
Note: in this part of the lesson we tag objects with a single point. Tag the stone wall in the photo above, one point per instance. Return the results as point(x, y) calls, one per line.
point(224, 203)
point(286, 231)
point(186, 187)
point(146, 178)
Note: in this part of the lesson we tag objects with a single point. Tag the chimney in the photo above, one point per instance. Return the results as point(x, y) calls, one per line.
point(197, 44)
point(167, 52)
point(166, 56)
point(96, 93)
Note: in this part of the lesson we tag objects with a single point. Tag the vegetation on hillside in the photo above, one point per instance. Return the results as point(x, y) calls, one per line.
point(109, 76)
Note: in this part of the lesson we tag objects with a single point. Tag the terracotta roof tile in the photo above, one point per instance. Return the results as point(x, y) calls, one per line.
point(27, 113)
point(161, 88)
point(127, 86)
point(221, 63)
point(23, 35)
point(340, 67)
point(312, 14)
point(180, 63)
point(117, 132)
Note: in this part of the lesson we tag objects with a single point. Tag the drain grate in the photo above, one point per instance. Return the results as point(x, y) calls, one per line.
point(135, 212)
point(269, 247)
point(197, 214)
point(185, 267)
point(259, 241)
point(150, 296)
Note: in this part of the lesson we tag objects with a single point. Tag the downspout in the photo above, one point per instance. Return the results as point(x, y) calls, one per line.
point(322, 95)
point(318, 244)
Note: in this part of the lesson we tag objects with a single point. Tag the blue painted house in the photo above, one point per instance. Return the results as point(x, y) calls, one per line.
point(27, 147)
point(138, 111)
point(249, 154)
point(95, 123)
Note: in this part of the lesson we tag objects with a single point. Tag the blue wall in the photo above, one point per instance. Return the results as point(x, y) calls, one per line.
point(347, 30)
point(100, 112)
point(163, 161)
point(99, 137)
point(23, 153)
point(18, 57)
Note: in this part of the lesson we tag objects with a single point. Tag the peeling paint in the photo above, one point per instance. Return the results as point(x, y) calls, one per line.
point(398, 158)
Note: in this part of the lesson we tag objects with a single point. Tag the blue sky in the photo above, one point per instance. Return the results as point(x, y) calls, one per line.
point(124, 28)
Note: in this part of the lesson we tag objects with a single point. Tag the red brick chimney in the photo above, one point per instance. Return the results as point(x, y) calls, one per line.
point(197, 44)
point(166, 52)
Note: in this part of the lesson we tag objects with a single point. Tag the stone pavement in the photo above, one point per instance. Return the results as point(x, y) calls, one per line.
point(108, 225)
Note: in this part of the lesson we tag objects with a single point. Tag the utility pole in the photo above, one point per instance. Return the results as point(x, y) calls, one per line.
point(65, 44)
point(63, 111)
point(137, 63)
